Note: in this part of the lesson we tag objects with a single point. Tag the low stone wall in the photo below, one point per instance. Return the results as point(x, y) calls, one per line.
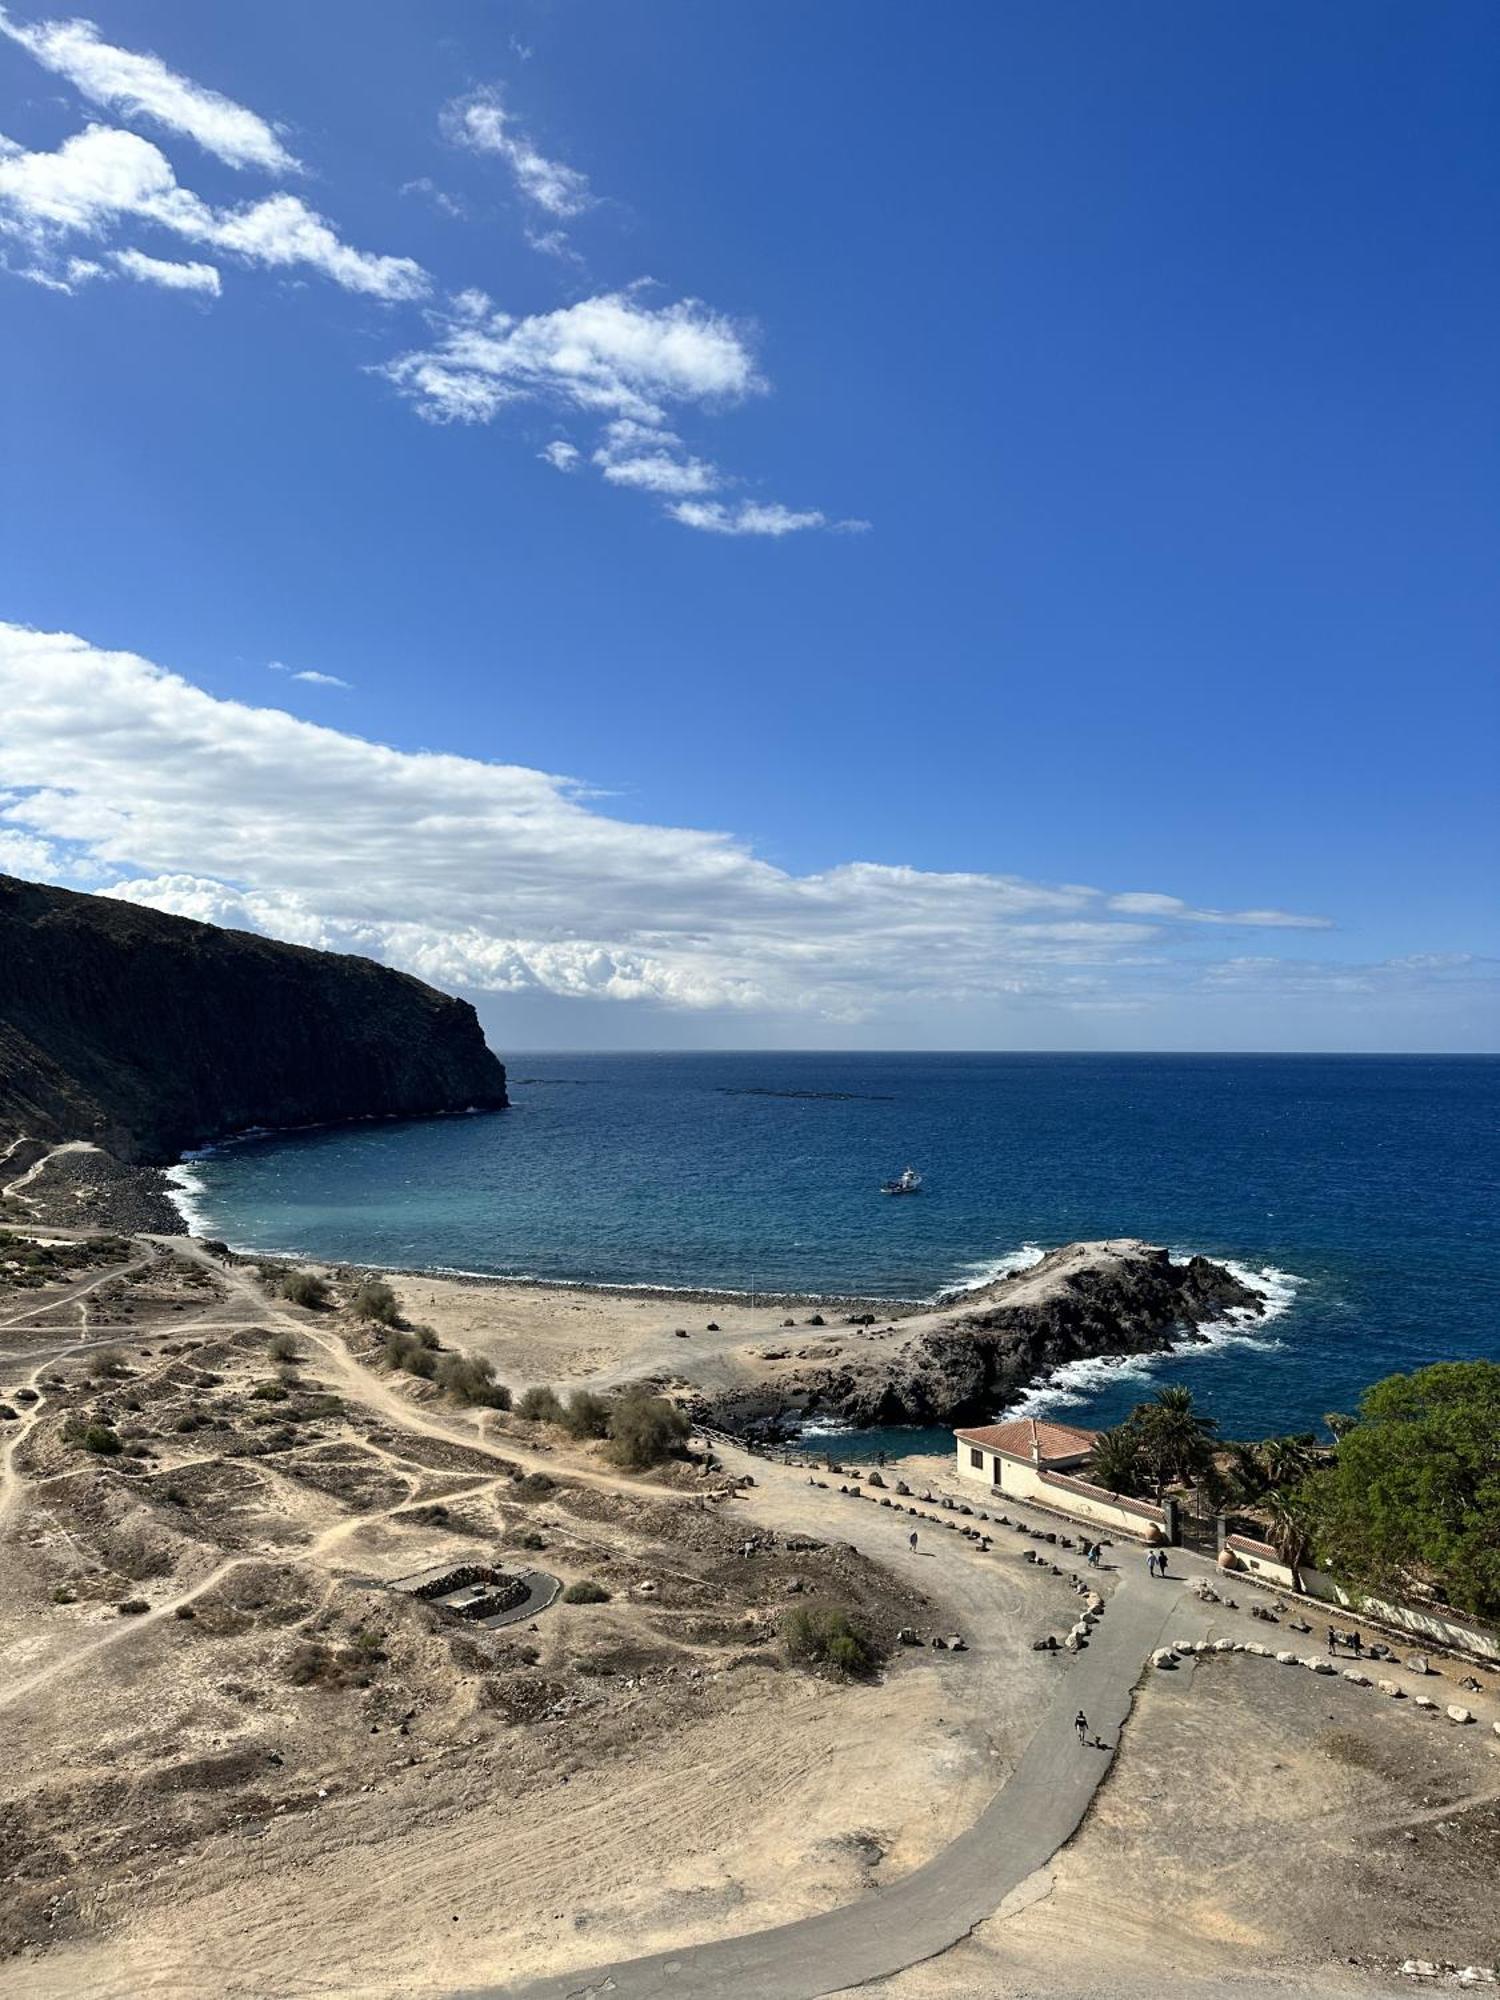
point(1438, 1624)
point(1261, 1560)
point(1066, 1493)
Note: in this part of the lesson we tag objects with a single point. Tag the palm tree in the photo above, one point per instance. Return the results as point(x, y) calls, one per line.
point(1247, 1473)
point(1178, 1442)
point(1287, 1460)
point(1287, 1533)
point(1116, 1462)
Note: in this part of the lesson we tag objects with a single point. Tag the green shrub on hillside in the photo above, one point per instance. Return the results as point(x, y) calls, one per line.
point(305, 1288)
point(541, 1406)
point(818, 1637)
point(644, 1429)
point(374, 1300)
point(586, 1415)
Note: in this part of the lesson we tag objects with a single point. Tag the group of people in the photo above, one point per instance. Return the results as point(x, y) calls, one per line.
point(1156, 1562)
point(1350, 1639)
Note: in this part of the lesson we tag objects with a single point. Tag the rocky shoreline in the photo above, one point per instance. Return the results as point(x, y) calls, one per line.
point(963, 1362)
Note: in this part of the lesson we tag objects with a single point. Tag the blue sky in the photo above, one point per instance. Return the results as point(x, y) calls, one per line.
point(904, 528)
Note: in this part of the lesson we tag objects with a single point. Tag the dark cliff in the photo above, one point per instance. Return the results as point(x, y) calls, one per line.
point(149, 1034)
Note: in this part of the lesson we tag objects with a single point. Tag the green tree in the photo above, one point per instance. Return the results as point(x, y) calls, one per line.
point(1413, 1494)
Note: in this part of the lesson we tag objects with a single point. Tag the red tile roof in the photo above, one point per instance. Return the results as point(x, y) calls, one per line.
point(1017, 1439)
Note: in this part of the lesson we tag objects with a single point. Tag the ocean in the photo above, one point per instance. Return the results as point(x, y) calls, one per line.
point(1360, 1191)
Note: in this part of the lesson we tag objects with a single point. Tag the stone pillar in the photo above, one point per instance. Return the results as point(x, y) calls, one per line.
point(1221, 1533)
point(1172, 1522)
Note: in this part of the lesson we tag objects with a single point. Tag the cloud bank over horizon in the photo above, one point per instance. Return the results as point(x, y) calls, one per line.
point(125, 778)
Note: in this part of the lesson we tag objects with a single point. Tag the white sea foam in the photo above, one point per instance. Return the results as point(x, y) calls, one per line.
point(989, 1271)
point(1241, 1327)
point(185, 1191)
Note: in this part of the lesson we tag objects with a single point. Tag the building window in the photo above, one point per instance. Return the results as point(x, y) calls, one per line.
point(976, 1458)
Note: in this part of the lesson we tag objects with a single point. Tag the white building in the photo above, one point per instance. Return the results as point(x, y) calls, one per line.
point(1047, 1464)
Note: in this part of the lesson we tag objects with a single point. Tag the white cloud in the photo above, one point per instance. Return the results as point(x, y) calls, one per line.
point(749, 517)
point(561, 456)
point(640, 455)
point(141, 86)
point(102, 177)
point(309, 674)
point(481, 123)
point(609, 354)
point(1146, 903)
point(444, 202)
point(175, 277)
point(494, 876)
point(553, 243)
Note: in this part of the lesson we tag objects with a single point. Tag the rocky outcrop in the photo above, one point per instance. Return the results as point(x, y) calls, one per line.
point(964, 1362)
point(149, 1034)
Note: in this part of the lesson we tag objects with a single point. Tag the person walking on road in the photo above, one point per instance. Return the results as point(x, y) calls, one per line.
point(1161, 1562)
point(913, 1540)
point(1151, 1563)
point(1081, 1724)
point(1333, 1640)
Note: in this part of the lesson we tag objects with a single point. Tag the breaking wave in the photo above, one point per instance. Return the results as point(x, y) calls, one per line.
point(1076, 1381)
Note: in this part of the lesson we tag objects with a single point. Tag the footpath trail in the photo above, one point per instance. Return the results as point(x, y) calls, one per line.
point(1033, 1814)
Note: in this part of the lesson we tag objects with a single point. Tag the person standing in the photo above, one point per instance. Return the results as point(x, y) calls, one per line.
point(913, 1540)
point(1333, 1640)
point(1081, 1724)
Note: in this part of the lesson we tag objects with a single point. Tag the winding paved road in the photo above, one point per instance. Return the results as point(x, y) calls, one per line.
point(924, 1913)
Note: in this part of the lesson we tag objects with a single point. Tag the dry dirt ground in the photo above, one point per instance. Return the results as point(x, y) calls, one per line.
point(280, 1778)
point(271, 1775)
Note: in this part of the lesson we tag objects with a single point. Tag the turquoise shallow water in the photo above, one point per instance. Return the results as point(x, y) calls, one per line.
point(1362, 1188)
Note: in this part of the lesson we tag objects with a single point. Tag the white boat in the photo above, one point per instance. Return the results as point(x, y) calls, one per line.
point(909, 1182)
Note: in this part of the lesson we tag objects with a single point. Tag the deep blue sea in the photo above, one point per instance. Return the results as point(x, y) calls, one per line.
point(1363, 1189)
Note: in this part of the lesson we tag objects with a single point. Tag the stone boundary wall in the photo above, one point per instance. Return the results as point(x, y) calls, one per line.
point(1439, 1625)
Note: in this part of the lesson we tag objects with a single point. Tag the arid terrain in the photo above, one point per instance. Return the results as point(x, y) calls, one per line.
point(237, 1762)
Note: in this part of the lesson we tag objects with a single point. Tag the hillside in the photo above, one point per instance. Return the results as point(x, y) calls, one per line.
point(149, 1034)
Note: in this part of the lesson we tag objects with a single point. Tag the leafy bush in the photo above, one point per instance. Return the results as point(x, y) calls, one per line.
point(585, 1592)
point(470, 1379)
point(305, 1288)
point(283, 1347)
point(269, 1392)
point(818, 1637)
point(112, 1362)
point(586, 1415)
point(645, 1429)
point(542, 1406)
point(133, 1607)
point(102, 1439)
point(374, 1300)
point(406, 1350)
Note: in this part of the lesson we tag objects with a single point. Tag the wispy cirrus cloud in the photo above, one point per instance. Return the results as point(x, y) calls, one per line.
point(481, 124)
point(139, 86)
point(501, 878)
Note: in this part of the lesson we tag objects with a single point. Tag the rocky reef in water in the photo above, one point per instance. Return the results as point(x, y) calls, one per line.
point(149, 1034)
point(962, 1361)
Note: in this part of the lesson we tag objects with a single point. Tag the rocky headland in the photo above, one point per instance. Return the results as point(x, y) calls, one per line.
point(964, 1360)
point(148, 1034)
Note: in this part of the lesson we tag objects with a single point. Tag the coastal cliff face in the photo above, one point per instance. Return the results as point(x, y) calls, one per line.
point(148, 1034)
point(963, 1362)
